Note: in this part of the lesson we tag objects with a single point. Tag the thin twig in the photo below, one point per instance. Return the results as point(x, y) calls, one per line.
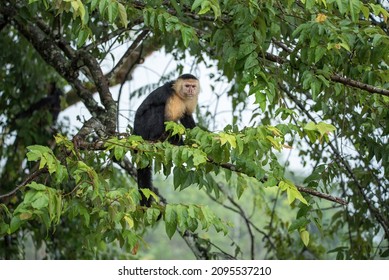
point(34, 175)
point(334, 77)
point(374, 210)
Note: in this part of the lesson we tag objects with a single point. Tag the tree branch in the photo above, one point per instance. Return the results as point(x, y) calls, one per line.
point(103, 89)
point(26, 181)
point(375, 212)
point(234, 168)
point(127, 54)
point(334, 77)
point(194, 242)
point(359, 85)
point(55, 58)
point(246, 220)
point(69, 69)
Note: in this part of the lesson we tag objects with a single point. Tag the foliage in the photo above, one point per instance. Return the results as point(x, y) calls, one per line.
point(317, 70)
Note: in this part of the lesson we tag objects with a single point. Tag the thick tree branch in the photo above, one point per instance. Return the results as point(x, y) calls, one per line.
point(6, 14)
point(54, 57)
point(103, 89)
point(47, 49)
point(359, 85)
point(61, 43)
point(69, 68)
point(127, 54)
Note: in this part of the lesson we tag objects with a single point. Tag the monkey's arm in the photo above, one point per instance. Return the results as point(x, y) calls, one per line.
point(188, 121)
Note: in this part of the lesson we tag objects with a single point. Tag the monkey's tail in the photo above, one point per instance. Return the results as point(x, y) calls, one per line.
point(144, 182)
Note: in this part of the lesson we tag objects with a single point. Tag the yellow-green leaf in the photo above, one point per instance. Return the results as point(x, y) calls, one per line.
point(274, 143)
point(123, 14)
point(227, 138)
point(325, 128)
point(25, 216)
point(291, 191)
point(304, 235)
point(129, 220)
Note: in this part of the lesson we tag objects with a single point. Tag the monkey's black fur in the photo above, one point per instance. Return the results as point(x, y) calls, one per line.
point(150, 124)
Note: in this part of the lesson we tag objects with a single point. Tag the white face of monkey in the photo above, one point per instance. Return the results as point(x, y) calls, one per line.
point(189, 89)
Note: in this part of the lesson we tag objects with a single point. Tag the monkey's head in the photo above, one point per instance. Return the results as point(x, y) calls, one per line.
point(187, 87)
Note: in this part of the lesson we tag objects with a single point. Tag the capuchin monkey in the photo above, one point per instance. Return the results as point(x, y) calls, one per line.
point(174, 101)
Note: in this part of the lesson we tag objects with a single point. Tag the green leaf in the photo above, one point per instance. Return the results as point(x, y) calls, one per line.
point(304, 235)
point(147, 193)
point(41, 202)
point(161, 19)
point(152, 215)
point(242, 186)
point(36, 186)
point(61, 174)
point(102, 6)
point(113, 11)
point(275, 131)
point(319, 53)
point(355, 8)
point(342, 5)
point(309, 4)
point(246, 49)
point(325, 128)
point(301, 222)
point(83, 35)
point(25, 216)
point(170, 221)
point(365, 11)
point(179, 176)
point(75, 5)
point(199, 157)
point(94, 4)
point(215, 8)
point(123, 14)
point(182, 216)
point(36, 152)
point(119, 152)
point(175, 128)
point(15, 224)
point(227, 138)
point(205, 8)
point(197, 4)
point(310, 126)
point(292, 192)
point(129, 221)
point(188, 35)
point(276, 144)
point(3, 228)
point(260, 98)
